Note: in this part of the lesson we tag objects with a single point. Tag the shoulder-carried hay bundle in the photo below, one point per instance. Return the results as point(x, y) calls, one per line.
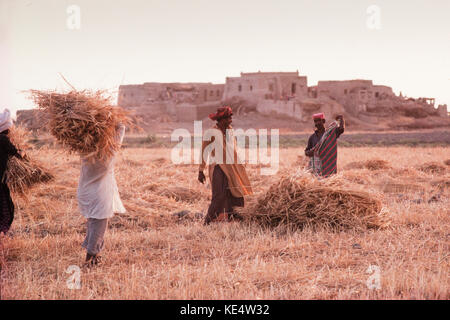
point(83, 121)
point(22, 174)
point(301, 200)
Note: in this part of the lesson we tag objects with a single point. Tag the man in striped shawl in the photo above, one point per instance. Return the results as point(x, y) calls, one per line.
point(322, 145)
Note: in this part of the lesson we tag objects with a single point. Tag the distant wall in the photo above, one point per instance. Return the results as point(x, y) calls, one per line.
point(257, 86)
point(339, 90)
point(188, 112)
point(31, 119)
point(355, 95)
point(442, 110)
point(150, 95)
point(291, 109)
point(301, 110)
point(132, 95)
point(382, 90)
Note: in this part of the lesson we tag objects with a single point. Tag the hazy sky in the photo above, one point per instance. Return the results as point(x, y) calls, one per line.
point(133, 41)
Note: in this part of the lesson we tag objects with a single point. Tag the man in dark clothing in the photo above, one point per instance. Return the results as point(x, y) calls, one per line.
point(322, 145)
point(7, 150)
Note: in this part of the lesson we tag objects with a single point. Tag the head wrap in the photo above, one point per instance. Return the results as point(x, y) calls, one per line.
point(222, 112)
point(5, 120)
point(319, 116)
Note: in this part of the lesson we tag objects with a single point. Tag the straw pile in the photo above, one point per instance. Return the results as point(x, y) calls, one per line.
point(22, 174)
point(374, 164)
point(300, 200)
point(83, 121)
point(432, 167)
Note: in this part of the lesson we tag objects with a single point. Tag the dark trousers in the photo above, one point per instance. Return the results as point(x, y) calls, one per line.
point(6, 208)
point(222, 200)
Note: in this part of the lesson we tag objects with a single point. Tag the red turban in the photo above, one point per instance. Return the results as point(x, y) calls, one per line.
point(222, 112)
point(319, 116)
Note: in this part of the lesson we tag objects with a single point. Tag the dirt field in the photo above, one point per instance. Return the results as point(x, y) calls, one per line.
point(150, 253)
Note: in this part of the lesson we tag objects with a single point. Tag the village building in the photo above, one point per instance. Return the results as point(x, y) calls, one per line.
point(256, 86)
point(273, 93)
point(186, 101)
point(355, 95)
point(133, 96)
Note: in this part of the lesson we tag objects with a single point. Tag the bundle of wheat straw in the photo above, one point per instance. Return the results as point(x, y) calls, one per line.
point(22, 174)
point(83, 121)
point(301, 200)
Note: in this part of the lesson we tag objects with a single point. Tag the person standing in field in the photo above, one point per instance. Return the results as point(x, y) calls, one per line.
point(98, 200)
point(7, 150)
point(322, 145)
point(229, 181)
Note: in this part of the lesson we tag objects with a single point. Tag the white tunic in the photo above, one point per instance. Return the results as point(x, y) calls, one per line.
point(98, 195)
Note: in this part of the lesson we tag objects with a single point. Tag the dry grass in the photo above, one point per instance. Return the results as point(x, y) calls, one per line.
point(149, 254)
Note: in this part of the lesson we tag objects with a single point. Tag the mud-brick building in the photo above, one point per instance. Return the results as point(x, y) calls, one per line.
point(356, 95)
point(149, 93)
point(255, 86)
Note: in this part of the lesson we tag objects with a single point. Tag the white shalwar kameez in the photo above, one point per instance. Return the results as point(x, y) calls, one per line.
point(98, 195)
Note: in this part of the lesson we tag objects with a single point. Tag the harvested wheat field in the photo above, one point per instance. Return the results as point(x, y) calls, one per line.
point(160, 248)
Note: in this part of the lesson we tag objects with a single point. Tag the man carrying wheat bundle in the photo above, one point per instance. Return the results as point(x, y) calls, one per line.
point(229, 180)
point(322, 145)
point(98, 200)
point(87, 123)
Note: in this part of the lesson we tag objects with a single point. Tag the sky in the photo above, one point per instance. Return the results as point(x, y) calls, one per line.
point(102, 44)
